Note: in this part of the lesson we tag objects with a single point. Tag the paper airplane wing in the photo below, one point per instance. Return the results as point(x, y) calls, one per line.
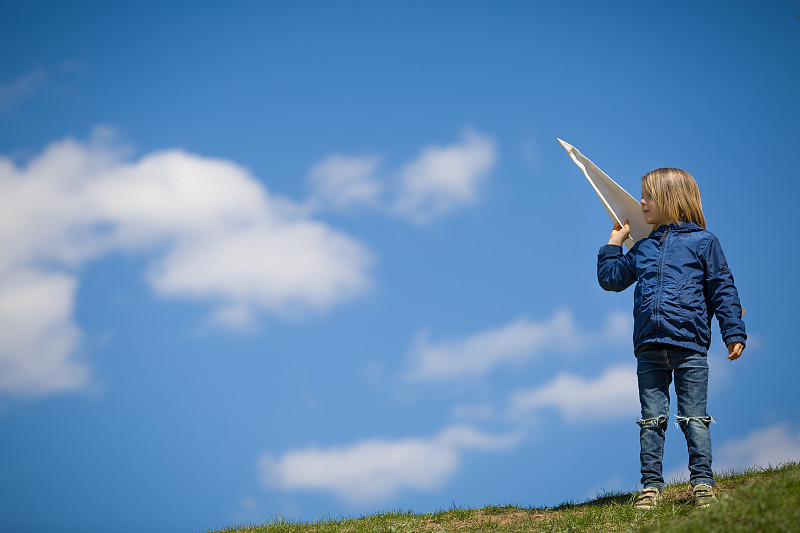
point(619, 204)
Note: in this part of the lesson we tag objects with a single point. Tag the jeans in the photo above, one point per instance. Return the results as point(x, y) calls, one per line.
point(655, 366)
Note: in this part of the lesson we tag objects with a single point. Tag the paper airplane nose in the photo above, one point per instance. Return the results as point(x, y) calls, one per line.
point(566, 145)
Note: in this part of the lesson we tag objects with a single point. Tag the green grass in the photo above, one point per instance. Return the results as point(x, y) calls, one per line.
point(757, 499)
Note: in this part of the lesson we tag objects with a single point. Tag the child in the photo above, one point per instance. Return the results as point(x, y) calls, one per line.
point(682, 280)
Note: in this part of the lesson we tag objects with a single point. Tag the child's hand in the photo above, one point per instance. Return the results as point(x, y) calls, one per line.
point(735, 350)
point(620, 233)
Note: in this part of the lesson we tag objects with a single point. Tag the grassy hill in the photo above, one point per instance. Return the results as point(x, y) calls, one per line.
point(754, 500)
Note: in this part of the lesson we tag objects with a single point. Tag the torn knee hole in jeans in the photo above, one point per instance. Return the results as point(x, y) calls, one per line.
point(683, 420)
point(652, 422)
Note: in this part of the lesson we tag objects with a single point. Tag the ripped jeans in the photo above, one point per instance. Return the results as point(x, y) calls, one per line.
point(655, 366)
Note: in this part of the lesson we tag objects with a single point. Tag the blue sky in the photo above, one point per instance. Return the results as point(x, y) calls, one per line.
point(314, 260)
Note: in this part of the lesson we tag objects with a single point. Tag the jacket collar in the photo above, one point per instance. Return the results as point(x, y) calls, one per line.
point(677, 227)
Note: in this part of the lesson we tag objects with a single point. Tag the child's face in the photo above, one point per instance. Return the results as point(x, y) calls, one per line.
point(651, 210)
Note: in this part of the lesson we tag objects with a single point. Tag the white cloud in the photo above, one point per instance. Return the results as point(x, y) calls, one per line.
point(375, 469)
point(767, 446)
point(13, 92)
point(38, 341)
point(440, 180)
point(613, 394)
point(342, 182)
point(444, 178)
point(213, 232)
point(516, 342)
point(286, 268)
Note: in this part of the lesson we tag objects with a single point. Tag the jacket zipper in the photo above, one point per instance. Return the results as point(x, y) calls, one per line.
point(662, 255)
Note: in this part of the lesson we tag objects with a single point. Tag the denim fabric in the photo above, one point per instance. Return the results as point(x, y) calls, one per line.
point(656, 365)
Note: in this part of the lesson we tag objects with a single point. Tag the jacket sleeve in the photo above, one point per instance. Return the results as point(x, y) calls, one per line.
point(615, 271)
point(722, 296)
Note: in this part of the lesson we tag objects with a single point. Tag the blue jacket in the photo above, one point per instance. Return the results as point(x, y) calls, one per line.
point(683, 279)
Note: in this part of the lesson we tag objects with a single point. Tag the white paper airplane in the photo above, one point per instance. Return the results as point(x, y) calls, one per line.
point(619, 204)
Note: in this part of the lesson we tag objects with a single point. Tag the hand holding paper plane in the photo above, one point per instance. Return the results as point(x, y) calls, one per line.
point(619, 204)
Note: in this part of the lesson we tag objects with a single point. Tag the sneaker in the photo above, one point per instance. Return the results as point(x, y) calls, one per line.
point(703, 495)
point(648, 499)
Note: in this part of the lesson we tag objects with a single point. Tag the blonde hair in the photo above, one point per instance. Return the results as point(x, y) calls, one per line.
point(676, 193)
